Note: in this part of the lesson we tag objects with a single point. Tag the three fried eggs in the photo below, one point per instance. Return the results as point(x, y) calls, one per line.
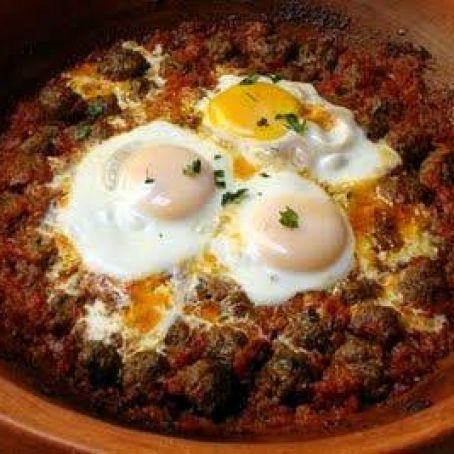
point(242, 189)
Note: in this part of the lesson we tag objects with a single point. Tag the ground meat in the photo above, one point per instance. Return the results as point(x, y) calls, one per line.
point(178, 334)
point(221, 47)
point(377, 323)
point(100, 362)
point(308, 331)
point(13, 211)
point(423, 282)
point(271, 50)
point(232, 301)
point(447, 169)
point(207, 385)
point(143, 369)
point(121, 64)
point(211, 288)
point(41, 142)
point(383, 111)
point(356, 290)
point(386, 234)
point(286, 377)
point(404, 189)
point(59, 102)
point(66, 308)
point(357, 366)
point(223, 342)
point(413, 146)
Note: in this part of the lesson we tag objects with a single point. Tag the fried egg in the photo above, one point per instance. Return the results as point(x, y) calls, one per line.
point(286, 236)
point(143, 201)
point(262, 117)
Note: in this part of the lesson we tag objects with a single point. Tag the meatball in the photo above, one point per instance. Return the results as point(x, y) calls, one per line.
point(383, 111)
point(447, 169)
point(286, 377)
point(101, 362)
point(41, 142)
point(59, 102)
point(178, 334)
point(357, 367)
point(357, 290)
point(143, 369)
point(423, 282)
point(207, 385)
point(406, 188)
point(221, 48)
point(413, 147)
point(307, 331)
point(121, 64)
point(224, 342)
point(377, 323)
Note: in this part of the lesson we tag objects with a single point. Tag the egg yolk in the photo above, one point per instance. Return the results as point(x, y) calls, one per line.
point(173, 182)
point(250, 110)
point(314, 244)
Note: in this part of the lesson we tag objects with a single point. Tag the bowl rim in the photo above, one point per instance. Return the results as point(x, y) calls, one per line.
point(33, 418)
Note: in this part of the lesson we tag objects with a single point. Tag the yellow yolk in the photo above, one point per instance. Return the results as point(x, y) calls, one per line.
point(175, 182)
point(319, 115)
point(315, 244)
point(242, 168)
point(150, 299)
point(250, 110)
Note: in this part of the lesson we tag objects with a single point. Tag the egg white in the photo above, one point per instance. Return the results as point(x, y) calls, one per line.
point(111, 236)
point(235, 249)
point(342, 154)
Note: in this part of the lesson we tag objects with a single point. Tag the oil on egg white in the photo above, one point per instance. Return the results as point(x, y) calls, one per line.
point(101, 216)
point(338, 155)
point(235, 245)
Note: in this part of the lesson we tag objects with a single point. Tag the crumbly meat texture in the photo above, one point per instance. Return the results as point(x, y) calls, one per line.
point(347, 352)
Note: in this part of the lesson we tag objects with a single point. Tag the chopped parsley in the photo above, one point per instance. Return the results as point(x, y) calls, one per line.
point(148, 179)
point(217, 156)
point(264, 175)
point(219, 176)
point(233, 197)
point(249, 80)
point(263, 122)
point(275, 78)
point(95, 109)
point(193, 169)
point(289, 218)
point(82, 132)
point(293, 122)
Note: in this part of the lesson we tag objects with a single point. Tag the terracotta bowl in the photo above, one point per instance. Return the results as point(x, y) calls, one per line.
point(39, 37)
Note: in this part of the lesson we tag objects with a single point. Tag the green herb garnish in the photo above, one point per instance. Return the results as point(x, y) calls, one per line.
point(95, 109)
point(193, 169)
point(82, 132)
point(275, 78)
point(292, 122)
point(263, 122)
point(148, 179)
point(219, 176)
point(264, 175)
point(233, 197)
point(249, 80)
point(217, 156)
point(289, 218)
